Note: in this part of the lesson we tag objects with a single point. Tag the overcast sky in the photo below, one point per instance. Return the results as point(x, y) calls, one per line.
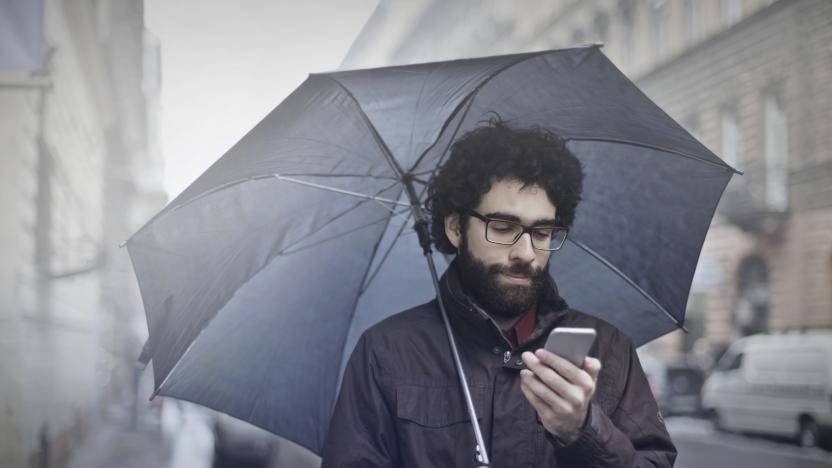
point(226, 64)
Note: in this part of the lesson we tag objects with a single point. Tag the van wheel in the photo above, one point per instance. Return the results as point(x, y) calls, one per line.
point(808, 434)
point(715, 420)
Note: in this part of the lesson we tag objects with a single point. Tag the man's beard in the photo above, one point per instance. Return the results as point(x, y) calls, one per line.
point(500, 300)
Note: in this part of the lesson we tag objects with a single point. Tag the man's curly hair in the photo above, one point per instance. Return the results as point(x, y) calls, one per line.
point(494, 152)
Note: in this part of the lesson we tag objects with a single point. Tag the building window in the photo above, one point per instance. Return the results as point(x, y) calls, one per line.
point(691, 124)
point(776, 154)
point(627, 45)
point(658, 27)
point(578, 37)
point(752, 307)
point(627, 13)
point(731, 138)
point(829, 282)
point(693, 20)
point(731, 11)
point(601, 27)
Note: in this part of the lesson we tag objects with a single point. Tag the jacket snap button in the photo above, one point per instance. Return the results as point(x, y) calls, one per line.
point(506, 357)
point(497, 350)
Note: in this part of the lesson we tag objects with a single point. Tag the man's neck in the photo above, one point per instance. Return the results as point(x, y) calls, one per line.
point(506, 324)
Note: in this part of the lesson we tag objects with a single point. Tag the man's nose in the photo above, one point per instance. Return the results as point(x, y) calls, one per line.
point(523, 249)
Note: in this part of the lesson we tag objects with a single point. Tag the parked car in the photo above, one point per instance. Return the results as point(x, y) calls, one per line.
point(774, 384)
point(675, 383)
point(237, 442)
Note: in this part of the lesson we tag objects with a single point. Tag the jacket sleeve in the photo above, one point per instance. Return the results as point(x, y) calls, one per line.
point(362, 429)
point(632, 435)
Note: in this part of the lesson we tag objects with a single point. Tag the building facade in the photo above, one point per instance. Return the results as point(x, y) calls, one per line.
point(749, 78)
point(80, 166)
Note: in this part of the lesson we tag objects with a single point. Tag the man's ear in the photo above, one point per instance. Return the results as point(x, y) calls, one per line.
point(453, 230)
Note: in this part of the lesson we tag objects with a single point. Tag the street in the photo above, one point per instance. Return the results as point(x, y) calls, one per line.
point(699, 445)
point(190, 446)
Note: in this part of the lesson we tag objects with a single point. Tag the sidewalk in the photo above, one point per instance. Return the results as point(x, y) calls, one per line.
point(113, 445)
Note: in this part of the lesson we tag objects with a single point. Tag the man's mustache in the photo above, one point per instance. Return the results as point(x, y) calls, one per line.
point(517, 269)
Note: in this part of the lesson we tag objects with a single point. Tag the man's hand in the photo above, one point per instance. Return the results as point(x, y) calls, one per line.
point(559, 391)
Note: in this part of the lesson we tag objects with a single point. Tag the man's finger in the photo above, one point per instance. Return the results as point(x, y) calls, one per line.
point(537, 403)
point(564, 368)
point(593, 367)
point(552, 400)
point(545, 373)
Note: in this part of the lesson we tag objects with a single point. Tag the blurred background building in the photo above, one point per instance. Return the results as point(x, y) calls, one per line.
point(81, 168)
point(749, 78)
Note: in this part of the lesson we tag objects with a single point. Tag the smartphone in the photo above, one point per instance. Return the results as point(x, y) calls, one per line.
point(571, 344)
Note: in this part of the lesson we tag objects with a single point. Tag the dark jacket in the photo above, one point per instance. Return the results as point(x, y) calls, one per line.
point(401, 405)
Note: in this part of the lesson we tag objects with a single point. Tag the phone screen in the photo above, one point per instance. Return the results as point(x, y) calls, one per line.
point(572, 344)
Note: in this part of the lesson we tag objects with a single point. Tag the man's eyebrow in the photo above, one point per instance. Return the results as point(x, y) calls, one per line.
point(516, 219)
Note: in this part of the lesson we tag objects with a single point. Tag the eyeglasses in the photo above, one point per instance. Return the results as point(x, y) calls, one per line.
point(500, 231)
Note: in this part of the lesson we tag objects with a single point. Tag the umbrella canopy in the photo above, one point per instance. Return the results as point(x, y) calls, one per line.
point(258, 279)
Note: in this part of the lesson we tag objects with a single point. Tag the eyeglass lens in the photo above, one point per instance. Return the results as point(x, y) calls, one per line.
point(504, 232)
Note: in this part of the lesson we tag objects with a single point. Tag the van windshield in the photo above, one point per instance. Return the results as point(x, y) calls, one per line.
point(730, 362)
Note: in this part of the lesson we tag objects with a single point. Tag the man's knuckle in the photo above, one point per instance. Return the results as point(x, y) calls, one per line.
point(577, 399)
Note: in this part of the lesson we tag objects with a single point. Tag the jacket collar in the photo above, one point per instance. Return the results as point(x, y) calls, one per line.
point(471, 323)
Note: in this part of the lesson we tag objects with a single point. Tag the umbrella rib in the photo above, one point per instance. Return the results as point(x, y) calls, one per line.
point(396, 239)
point(621, 274)
point(358, 296)
point(359, 176)
point(331, 220)
point(380, 200)
point(657, 148)
point(337, 236)
point(335, 189)
point(373, 275)
point(170, 372)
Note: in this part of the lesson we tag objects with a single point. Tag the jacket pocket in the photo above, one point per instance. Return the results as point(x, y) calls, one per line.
point(435, 406)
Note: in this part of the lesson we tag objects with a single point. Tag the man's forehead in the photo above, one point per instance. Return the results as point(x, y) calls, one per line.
point(516, 201)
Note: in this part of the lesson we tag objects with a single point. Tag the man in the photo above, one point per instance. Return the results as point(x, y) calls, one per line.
point(502, 203)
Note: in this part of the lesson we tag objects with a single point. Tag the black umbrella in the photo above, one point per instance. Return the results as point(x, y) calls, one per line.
point(258, 279)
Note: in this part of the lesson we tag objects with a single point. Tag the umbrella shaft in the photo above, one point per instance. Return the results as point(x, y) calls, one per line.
point(422, 226)
point(481, 452)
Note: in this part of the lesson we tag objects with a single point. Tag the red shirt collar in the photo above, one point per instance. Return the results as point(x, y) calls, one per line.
point(523, 328)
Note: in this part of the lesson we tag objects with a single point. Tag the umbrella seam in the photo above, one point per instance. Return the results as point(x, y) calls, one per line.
point(657, 148)
point(469, 98)
point(379, 141)
point(208, 322)
point(629, 281)
point(352, 315)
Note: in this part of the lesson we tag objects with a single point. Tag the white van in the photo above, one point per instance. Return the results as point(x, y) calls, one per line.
point(774, 384)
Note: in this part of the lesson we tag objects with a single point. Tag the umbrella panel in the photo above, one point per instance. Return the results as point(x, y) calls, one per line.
point(271, 355)
point(248, 275)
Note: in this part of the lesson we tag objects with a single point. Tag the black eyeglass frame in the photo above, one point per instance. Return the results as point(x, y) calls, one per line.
point(524, 229)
